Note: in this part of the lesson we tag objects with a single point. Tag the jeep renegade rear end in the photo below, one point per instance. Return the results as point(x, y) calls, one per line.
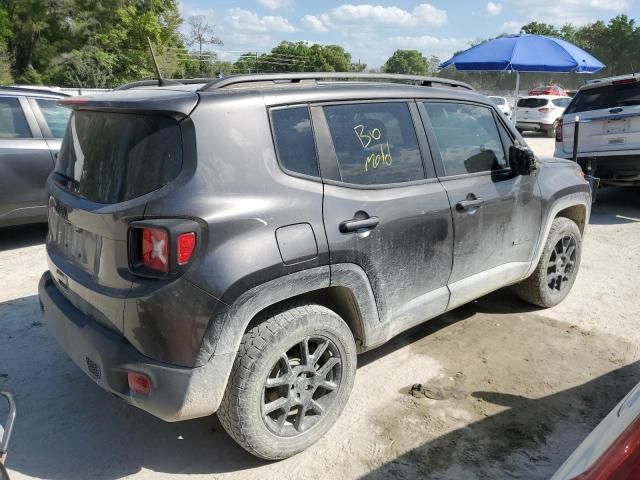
point(231, 248)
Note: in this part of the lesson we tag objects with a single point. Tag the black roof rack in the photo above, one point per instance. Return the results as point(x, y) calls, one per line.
point(34, 90)
point(165, 82)
point(278, 78)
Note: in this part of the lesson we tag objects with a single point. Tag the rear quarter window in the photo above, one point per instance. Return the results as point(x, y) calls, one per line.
point(114, 157)
point(294, 141)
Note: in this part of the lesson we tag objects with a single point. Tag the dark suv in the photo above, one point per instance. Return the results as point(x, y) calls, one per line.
point(232, 246)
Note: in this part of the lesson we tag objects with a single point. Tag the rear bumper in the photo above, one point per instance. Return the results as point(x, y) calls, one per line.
point(611, 169)
point(177, 393)
point(534, 125)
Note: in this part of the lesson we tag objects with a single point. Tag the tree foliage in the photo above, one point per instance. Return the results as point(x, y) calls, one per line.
point(89, 43)
point(410, 62)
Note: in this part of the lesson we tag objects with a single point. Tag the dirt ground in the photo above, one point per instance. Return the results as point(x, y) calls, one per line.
point(494, 389)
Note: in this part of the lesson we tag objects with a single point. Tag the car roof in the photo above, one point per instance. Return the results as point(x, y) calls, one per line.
point(28, 91)
point(602, 82)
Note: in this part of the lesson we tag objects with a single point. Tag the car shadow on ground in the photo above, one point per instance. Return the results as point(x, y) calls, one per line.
point(616, 205)
point(69, 428)
point(23, 236)
point(522, 442)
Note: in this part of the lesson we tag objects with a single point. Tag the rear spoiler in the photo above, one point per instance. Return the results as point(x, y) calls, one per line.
point(177, 103)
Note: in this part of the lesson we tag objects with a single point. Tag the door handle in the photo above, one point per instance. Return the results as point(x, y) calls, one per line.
point(466, 205)
point(354, 225)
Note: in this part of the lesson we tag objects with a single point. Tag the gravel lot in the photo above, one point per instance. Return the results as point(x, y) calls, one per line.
point(494, 389)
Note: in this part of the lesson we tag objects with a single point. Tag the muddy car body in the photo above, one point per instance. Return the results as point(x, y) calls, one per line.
point(328, 216)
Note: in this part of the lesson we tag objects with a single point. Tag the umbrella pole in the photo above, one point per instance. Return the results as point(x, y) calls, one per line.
point(515, 98)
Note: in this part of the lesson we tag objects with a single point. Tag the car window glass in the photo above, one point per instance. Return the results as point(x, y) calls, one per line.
point(375, 143)
point(507, 141)
point(467, 137)
point(561, 102)
point(13, 123)
point(532, 102)
point(56, 117)
point(608, 96)
point(294, 140)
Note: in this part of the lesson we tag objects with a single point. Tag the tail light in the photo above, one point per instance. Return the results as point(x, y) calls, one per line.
point(162, 247)
point(545, 109)
point(621, 460)
point(155, 249)
point(139, 383)
point(559, 131)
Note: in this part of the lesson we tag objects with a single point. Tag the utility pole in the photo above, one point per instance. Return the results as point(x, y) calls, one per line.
point(256, 62)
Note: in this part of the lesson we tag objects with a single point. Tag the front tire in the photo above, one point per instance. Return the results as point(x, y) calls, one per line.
point(551, 132)
point(291, 380)
point(557, 268)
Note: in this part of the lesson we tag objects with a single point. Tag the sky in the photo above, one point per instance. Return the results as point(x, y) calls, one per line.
point(371, 32)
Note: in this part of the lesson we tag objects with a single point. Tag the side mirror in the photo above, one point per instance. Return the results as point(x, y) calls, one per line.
point(522, 161)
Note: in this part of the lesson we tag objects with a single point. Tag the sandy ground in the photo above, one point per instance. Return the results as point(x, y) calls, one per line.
point(495, 389)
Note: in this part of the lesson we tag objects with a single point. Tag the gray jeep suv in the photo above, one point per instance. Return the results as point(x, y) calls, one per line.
point(231, 247)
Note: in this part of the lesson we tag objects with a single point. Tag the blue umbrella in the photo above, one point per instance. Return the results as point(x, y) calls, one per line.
point(525, 53)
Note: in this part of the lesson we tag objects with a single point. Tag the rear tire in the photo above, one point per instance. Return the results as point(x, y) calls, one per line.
point(551, 132)
point(291, 380)
point(557, 268)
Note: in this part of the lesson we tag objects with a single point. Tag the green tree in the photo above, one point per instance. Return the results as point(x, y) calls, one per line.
point(410, 62)
point(539, 28)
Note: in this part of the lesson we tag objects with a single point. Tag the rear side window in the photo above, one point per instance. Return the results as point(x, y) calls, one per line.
point(13, 123)
point(532, 102)
point(55, 116)
point(294, 140)
point(113, 157)
point(561, 102)
point(467, 137)
point(375, 143)
point(609, 96)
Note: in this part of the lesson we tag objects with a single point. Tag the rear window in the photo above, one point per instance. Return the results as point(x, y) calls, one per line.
point(532, 102)
point(561, 102)
point(608, 96)
point(113, 157)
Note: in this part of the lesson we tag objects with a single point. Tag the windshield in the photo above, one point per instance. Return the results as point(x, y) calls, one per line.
point(113, 157)
point(608, 96)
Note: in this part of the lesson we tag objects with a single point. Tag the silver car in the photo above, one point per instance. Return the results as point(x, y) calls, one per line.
point(31, 129)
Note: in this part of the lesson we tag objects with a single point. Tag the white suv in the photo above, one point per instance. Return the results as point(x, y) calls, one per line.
point(540, 113)
point(609, 136)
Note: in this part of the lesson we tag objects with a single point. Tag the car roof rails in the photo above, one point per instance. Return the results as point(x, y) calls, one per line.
point(294, 78)
point(165, 83)
point(35, 90)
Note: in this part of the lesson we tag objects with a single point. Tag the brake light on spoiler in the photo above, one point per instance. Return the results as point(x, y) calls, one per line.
point(162, 248)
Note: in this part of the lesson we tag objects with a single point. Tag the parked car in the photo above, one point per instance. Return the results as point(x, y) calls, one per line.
point(612, 450)
point(609, 113)
point(540, 113)
point(548, 90)
point(502, 104)
point(31, 130)
point(231, 247)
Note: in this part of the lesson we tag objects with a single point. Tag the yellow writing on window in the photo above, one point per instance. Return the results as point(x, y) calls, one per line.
point(367, 136)
point(382, 157)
